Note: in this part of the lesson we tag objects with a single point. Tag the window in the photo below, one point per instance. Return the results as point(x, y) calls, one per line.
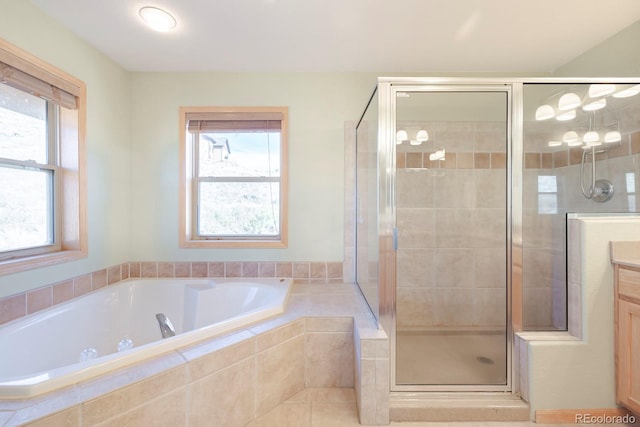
point(27, 162)
point(547, 194)
point(630, 181)
point(41, 168)
point(234, 164)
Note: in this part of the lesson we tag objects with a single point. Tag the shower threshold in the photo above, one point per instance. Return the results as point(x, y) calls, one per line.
point(457, 407)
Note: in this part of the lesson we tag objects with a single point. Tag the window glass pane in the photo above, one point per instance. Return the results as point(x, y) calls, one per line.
point(547, 184)
point(557, 175)
point(25, 208)
point(630, 179)
point(23, 125)
point(239, 154)
point(547, 204)
point(239, 208)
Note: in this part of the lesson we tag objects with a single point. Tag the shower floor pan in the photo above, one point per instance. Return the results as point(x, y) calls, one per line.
point(450, 358)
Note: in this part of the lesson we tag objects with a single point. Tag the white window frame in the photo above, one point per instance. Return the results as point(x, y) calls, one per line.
point(65, 133)
point(188, 235)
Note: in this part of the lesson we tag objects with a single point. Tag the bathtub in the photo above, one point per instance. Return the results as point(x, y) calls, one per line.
point(117, 326)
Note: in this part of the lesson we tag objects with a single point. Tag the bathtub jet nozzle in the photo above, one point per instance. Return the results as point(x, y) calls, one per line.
point(166, 328)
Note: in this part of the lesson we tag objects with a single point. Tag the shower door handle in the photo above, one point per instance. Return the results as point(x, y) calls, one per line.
point(395, 238)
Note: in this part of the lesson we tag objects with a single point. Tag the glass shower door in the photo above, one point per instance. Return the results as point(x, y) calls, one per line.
point(451, 211)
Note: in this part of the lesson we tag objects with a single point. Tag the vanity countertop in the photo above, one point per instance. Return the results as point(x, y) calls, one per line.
point(627, 262)
point(625, 253)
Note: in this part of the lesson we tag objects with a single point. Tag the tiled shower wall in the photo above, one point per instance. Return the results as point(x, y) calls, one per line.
point(24, 303)
point(420, 299)
point(451, 219)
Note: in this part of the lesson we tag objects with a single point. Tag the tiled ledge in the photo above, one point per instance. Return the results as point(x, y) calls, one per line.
point(625, 253)
point(19, 305)
point(313, 344)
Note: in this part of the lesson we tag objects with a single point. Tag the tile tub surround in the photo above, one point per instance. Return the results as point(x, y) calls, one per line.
point(19, 305)
point(326, 338)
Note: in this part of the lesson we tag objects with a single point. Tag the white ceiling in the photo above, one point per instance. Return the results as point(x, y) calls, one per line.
point(503, 36)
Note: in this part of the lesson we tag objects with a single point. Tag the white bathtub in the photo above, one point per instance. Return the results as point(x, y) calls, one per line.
point(42, 352)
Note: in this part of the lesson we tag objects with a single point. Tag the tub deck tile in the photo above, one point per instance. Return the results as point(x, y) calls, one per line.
point(221, 358)
point(5, 416)
point(45, 405)
point(275, 322)
point(267, 338)
point(123, 377)
point(280, 373)
point(132, 396)
point(206, 347)
point(166, 410)
point(234, 406)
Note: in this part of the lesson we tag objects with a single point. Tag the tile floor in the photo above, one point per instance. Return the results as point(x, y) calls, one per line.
point(336, 407)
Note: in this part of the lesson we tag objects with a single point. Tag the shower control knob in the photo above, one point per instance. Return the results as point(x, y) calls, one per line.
point(602, 191)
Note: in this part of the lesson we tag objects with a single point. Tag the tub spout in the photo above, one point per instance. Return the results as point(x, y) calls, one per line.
point(166, 328)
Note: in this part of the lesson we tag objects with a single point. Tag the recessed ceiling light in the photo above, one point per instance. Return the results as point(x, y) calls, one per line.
point(157, 19)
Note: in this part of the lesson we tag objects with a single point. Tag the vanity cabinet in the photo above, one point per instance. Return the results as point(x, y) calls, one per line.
point(627, 301)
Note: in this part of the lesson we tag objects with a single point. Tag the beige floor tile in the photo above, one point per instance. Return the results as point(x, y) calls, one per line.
point(333, 395)
point(492, 424)
point(288, 414)
point(336, 407)
point(324, 394)
point(418, 424)
point(302, 396)
point(334, 415)
point(461, 424)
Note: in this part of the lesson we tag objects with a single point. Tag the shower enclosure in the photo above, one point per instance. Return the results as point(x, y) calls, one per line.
point(463, 188)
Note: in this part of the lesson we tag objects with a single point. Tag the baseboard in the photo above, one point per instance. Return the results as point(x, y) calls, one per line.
point(585, 416)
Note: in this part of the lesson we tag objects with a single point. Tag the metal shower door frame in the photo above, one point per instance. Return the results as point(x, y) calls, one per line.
point(387, 91)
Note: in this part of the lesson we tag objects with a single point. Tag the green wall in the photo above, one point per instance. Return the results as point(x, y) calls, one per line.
point(108, 140)
point(619, 56)
point(319, 105)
